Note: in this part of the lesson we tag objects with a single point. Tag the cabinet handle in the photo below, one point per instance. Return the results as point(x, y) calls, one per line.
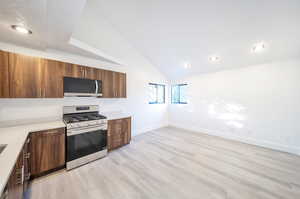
point(19, 181)
point(27, 156)
point(27, 176)
point(19, 171)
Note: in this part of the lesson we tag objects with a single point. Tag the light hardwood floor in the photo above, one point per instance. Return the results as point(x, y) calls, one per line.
point(177, 164)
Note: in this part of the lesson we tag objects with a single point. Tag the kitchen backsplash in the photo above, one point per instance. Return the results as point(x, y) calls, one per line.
point(43, 109)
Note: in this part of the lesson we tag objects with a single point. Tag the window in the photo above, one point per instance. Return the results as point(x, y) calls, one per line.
point(157, 93)
point(179, 94)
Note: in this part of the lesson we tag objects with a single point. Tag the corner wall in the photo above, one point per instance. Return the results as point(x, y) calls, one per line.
point(256, 104)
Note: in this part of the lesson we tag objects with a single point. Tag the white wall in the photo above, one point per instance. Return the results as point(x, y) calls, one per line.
point(145, 116)
point(256, 104)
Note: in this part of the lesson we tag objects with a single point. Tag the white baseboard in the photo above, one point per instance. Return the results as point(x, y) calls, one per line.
point(148, 128)
point(266, 144)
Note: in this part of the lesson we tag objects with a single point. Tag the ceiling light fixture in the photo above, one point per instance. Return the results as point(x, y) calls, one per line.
point(187, 65)
point(259, 47)
point(214, 59)
point(21, 29)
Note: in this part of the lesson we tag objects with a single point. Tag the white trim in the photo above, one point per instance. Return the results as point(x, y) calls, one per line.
point(148, 128)
point(266, 144)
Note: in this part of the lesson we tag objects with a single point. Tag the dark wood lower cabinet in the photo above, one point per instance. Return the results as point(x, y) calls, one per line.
point(119, 133)
point(15, 183)
point(42, 152)
point(47, 151)
point(19, 178)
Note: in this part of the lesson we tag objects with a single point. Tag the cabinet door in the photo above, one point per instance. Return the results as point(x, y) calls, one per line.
point(107, 84)
point(73, 70)
point(25, 76)
point(26, 162)
point(52, 81)
point(115, 135)
point(4, 76)
point(119, 84)
point(91, 73)
point(15, 186)
point(47, 150)
point(126, 130)
point(119, 133)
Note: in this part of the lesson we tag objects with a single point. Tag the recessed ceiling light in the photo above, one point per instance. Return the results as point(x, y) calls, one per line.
point(259, 47)
point(21, 29)
point(187, 65)
point(214, 59)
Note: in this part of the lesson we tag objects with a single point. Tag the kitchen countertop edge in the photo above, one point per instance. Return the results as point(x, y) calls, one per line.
point(14, 137)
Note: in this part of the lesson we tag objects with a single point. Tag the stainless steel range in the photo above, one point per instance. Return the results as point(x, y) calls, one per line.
point(86, 134)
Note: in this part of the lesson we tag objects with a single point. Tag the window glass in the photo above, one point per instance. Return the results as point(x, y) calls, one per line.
point(178, 94)
point(156, 93)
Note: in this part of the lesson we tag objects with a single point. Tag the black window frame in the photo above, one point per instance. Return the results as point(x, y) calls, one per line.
point(172, 102)
point(164, 97)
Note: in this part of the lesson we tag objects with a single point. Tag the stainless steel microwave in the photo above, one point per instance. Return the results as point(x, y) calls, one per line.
point(78, 87)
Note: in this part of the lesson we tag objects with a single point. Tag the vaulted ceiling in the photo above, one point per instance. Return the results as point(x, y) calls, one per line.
point(168, 33)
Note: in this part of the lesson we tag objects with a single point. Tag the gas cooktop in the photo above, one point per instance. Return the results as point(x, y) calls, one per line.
point(82, 117)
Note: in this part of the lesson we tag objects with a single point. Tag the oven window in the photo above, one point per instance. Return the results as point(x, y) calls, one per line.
point(84, 144)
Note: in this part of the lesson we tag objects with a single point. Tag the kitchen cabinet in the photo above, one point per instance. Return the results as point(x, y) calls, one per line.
point(107, 84)
point(26, 163)
point(113, 84)
point(52, 79)
point(77, 71)
point(91, 73)
point(15, 187)
point(47, 151)
point(119, 133)
point(15, 182)
point(4, 75)
point(74, 70)
point(25, 76)
point(18, 181)
point(119, 84)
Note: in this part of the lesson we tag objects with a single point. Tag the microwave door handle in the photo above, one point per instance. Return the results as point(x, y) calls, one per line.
point(96, 82)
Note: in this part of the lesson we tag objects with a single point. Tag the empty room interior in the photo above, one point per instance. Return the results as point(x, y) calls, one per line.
point(149, 99)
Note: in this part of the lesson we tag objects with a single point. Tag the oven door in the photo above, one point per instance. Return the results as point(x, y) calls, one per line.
point(83, 142)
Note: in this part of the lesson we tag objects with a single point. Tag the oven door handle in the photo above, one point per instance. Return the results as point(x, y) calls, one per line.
point(84, 130)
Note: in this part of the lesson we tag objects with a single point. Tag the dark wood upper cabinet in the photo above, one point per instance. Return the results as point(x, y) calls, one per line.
point(4, 75)
point(74, 70)
point(119, 84)
point(91, 73)
point(25, 76)
point(107, 84)
point(52, 81)
point(47, 149)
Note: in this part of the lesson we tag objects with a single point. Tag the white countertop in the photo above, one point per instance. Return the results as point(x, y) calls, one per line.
point(15, 137)
point(115, 115)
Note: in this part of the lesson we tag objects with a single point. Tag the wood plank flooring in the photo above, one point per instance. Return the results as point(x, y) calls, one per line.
point(177, 164)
